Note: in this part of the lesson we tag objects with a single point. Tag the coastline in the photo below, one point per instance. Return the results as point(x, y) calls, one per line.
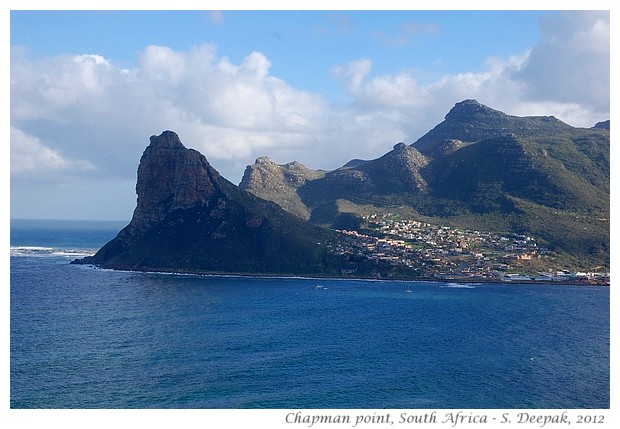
point(458, 280)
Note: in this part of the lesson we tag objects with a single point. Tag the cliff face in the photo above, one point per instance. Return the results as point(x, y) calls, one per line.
point(170, 177)
point(190, 219)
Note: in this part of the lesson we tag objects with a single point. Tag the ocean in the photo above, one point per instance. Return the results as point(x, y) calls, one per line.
point(83, 337)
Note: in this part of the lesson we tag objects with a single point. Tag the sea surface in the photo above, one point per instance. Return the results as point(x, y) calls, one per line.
point(82, 337)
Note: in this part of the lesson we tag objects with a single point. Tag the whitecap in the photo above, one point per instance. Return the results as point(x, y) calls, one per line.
point(40, 251)
point(459, 286)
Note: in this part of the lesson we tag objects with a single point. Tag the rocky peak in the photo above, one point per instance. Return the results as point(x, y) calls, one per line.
point(399, 168)
point(406, 162)
point(466, 110)
point(294, 165)
point(264, 160)
point(470, 121)
point(604, 125)
point(298, 174)
point(263, 173)
point(170, 176)
point(167, 139)
point(279, 183)
point(190, 219)
point(408, 154)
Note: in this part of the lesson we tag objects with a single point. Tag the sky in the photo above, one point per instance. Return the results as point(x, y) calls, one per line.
point(321, 87)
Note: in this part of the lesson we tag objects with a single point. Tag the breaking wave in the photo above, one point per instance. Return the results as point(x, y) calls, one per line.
point(459, 286)
point(38, 251)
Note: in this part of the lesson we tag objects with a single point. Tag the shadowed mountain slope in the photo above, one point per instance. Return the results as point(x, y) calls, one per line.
point(190, 219)
point(481, 168)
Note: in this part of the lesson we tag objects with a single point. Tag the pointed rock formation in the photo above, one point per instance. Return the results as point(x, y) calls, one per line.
point(170, 177)
point(190, 219)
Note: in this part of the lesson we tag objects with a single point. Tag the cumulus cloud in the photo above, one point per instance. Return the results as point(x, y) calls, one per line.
point(30, 159)
point(87, 106)
point(413, 109)
point(86, 116)
point(353, 73)
point(571, 62)
point(566, 74)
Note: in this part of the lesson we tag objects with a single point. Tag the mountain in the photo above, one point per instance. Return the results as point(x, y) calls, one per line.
point(471, 121)
point(279, 183)
point(397, 171)
point(190, 219)
point(605, 125)
point(483, 169)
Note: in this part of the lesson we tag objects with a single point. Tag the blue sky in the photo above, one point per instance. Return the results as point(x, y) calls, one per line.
point(303, 46)
point(88, 88)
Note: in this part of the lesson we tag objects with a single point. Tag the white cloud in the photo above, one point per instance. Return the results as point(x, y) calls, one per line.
point(88, 107)
point(571, 62)
point(85, 115)
point(162, 64)
point(566, 75)
point(30, 159)
point(354, 72)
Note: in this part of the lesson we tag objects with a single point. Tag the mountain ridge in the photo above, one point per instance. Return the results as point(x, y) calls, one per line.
point(481, 164)
point(471, 121)
point(480, 169)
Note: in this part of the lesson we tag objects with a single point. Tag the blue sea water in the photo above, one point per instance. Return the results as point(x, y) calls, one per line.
point(83, 337)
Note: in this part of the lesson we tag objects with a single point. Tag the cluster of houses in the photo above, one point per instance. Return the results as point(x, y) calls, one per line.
point(442, 252)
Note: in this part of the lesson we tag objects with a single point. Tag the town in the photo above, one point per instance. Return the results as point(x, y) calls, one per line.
point(426, 251)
